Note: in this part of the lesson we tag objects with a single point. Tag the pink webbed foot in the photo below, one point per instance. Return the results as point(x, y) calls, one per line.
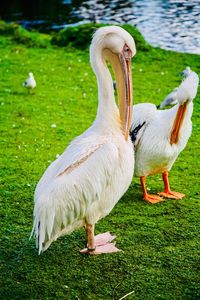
point(172, 195)
point(103, 249)
point(102, 245)
point(103, 239)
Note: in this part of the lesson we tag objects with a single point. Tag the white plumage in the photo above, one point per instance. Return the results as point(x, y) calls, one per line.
point(83, 184)
point(163, 136)
point(30, 82)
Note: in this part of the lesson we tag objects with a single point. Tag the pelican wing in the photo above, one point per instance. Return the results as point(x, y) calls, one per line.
point(143, 115)
point(76, 153)
point(65, 198)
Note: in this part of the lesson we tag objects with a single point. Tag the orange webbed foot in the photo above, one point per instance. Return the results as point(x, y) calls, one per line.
point(172, 195)
point(153, 199)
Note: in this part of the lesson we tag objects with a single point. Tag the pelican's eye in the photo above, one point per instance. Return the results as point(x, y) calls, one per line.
point(127, 52)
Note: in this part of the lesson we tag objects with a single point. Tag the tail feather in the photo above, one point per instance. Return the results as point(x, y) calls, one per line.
point(53, 219)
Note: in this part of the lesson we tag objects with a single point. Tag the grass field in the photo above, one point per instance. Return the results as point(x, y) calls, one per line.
point(160, 243)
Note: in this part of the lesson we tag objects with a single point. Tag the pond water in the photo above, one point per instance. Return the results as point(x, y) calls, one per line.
point(169, 24)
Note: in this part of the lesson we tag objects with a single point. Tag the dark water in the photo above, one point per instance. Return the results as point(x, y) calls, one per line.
point(170, 24)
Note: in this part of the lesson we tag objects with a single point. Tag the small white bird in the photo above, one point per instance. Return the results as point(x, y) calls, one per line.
point(85, 182)
point(30, 82)
point(164, 134)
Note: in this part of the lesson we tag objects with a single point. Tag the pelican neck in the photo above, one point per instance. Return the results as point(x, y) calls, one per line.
point(107, 108)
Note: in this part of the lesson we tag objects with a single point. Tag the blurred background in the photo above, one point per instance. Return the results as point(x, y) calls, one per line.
point(169, 24)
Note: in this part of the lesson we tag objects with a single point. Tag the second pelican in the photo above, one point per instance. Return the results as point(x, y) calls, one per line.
point(164, 134)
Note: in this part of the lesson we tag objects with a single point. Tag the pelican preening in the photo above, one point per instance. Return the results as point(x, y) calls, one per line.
point(30, 82)
point(83, 184)
point(164, 135)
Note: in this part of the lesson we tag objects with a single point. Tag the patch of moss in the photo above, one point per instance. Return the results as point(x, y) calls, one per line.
point(7, 28)
point(19, 35)
point(77, 37)
point(80, 36)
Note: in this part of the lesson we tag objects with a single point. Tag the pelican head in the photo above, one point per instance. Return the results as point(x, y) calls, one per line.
point(113, 38)
point(188, 88)
point(115, 45)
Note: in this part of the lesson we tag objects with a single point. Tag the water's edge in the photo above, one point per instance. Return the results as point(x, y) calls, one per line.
point(172, 25)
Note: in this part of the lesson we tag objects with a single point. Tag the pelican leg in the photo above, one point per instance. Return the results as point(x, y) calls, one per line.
point(90, 237)
point(100, 243)
point(167, 191)
point(148, 197)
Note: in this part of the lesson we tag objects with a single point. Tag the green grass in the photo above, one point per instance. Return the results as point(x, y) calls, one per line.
point(161, 246)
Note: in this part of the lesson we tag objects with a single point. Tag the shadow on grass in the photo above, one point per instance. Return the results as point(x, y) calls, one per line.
point(10, 92)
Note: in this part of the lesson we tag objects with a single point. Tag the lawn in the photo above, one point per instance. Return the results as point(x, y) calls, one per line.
point(160, 243)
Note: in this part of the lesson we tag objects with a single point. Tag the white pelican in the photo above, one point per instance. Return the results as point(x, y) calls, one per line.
point(30, 82)
point(164, 134)
point(83, 184)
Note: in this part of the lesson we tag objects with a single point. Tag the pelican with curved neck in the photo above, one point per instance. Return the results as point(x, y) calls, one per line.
point(84, 183)
point(121, 65)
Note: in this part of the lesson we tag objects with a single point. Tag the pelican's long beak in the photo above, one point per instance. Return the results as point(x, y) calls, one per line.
point(174, 136)
point(125, 59)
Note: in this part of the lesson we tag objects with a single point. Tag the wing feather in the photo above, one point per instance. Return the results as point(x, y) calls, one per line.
point(76, 153)
point(65, 197)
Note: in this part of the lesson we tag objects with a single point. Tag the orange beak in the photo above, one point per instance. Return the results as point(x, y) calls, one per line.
point(174, 137)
